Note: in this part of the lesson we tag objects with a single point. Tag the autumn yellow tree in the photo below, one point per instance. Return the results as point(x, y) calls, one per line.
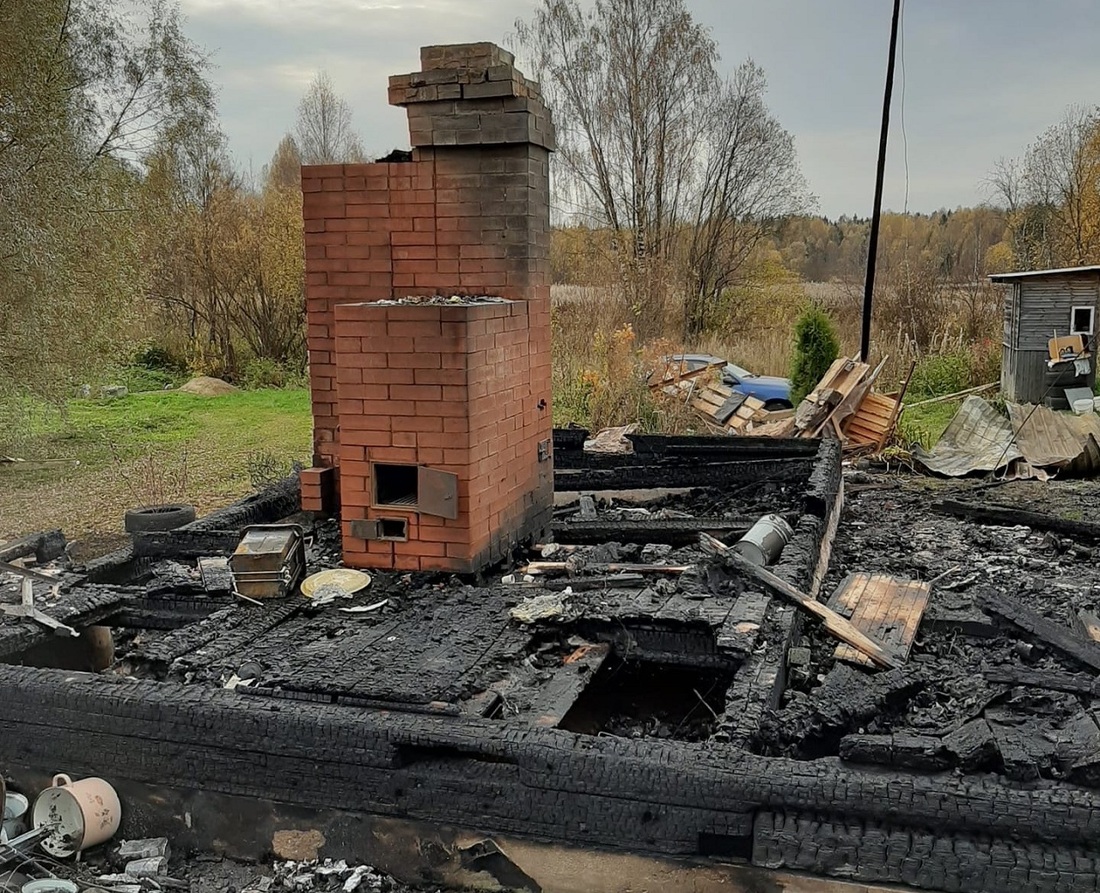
point(83, 89)
point(1052, 194)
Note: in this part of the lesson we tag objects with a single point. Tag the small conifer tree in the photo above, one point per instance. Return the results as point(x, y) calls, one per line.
point(815, 347)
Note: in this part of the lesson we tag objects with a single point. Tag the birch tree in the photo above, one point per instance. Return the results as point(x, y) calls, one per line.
point(324, 133)
point(751, 182)
point(1052, 193)
point(653, 145)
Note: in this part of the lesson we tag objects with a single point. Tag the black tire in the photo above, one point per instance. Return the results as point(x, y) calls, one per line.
point(776, 405)
point(158, 517)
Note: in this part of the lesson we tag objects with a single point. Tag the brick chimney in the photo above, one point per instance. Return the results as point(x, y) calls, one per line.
point(428, 305)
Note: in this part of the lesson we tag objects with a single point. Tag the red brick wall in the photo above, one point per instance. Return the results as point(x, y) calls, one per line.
point(469, 215)
point(445, 387)
point(358, 218)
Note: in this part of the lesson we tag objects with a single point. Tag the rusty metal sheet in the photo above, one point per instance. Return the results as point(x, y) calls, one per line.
point(977, 439)
point(1043, 436)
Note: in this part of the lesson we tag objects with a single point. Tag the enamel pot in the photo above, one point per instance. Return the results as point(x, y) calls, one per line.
point(83, 813)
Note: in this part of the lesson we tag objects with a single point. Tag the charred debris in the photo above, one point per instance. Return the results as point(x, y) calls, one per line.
point(631, 622)
point(886, 631)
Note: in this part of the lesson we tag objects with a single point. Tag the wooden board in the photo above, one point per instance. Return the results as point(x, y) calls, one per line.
point(727, 409)
point(855, 387)
point(557, 694)
point(886, 608)
point(674, 373)
point(834, 623)
point(872, 421)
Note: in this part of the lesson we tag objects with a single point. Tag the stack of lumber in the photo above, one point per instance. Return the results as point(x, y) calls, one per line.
point(724, 408)
point(675, 374)
point(842, 405)
point(873, 423)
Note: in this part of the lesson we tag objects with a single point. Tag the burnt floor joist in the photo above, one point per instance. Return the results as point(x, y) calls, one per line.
point(428, 710)
point(648, 796)
point(1011, 516)
point(672, 531)
point(703, 474)
point(79, 607)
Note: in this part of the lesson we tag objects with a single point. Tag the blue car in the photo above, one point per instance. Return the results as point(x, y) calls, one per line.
point(774, 391)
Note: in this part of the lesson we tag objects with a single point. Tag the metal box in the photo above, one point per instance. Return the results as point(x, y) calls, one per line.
point(269, 560)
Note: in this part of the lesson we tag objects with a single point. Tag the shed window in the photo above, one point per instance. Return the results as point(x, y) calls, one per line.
point(1081, 320)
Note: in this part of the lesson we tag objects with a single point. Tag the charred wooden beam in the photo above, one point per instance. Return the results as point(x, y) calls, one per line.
point(588, 584)
point(45, 546)
point(846, 699)
point(185, 542)
point(1024, 754)
point(561, 568)
point(79, 607)
point(566, 439)
point(280, 500)
point(673, 531)
point(557, 694)
point(967, 621)
point(531, 781)
point(713, 474)
point(746, 447)
point(923, 752)
point(1049, 680)
point(1056, 636)
point(971, 745)
point(164, 614)
point(1009, 516)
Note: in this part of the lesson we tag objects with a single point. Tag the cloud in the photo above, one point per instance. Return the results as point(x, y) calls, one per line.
point(970, 93)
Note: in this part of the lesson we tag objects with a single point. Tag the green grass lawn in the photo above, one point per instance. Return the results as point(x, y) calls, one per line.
point(85, 467)
point(925, 424)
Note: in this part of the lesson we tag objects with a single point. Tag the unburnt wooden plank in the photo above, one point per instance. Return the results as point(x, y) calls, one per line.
point(886, 608)
point(833, 622)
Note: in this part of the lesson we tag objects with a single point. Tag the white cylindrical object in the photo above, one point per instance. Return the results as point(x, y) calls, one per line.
point(15, 815)
point(50, 885)
point(83, 813)
point(765, 541)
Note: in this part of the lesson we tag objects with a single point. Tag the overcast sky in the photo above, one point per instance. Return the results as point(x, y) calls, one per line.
point(981, 78)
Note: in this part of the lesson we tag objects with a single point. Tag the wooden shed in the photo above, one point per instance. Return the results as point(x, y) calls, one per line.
point(1040, 305)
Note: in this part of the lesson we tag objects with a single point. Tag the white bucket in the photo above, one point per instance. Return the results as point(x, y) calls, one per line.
point(50, 885)
point(83, 813)
point(765, 540)
point(1085, 404)
point(15, 816)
